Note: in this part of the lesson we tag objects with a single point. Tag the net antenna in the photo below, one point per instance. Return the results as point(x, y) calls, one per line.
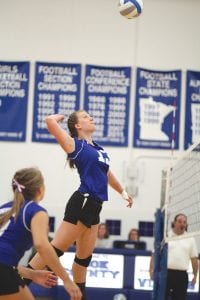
point(165, 176)
point(183, 191)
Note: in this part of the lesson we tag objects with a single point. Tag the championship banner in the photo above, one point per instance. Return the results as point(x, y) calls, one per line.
point(192, 109)
point(14, 83)
point(107, 99)
point(57, 91)
point(157, 109)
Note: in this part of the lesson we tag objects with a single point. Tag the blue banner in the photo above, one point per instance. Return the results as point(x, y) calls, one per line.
point(57, 91)
point(14, 83)
point(157, 109)
point(107, 99)
point(192, 109)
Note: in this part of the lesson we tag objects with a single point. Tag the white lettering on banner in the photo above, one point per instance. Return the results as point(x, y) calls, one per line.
point(12, 93)
point(11, 134)
point(46, 103)
point(119, 107)
point(96, 113)
point(46, 106)
point(116, 114)
point(117, 100)
point(8, 68)
point(109, 111)
point(57, 92)
point(98, 99)
point(120, 122)
point(158, 76)
point(96, 106)
point(58, 78)
point(158, 92)
point(65, 111)
point(102, 267)
point(107, 89)
point(102, 273)
point(106, 72)
point(195, 114)
point(43, 136)
point(158, 84)
point(42, 86)
point(10, 82)
point(13, 77)
point(195, 97)
point(46, 111)
point(57, 70)
point(99, 120)
point(68, 97)
point(107, 81)
point(153, 144)
point(194, 83)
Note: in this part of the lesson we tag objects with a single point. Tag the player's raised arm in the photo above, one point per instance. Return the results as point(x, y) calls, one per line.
point(115, 184)
point(62, 137)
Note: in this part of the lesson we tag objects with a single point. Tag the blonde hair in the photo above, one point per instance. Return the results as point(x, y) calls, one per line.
point(72, 121)
point(25, 185)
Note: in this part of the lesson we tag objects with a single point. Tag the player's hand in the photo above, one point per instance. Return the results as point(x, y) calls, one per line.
point(128, 198)
point(44, 278)
point(73, 290)
point(130, 201)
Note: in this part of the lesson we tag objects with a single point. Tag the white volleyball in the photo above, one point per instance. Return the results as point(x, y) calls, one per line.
point(130, 8)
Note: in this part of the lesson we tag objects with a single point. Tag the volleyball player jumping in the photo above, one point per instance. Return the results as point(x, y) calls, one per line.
point(81, 218)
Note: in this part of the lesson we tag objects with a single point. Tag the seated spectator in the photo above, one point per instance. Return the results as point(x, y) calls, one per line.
point(132, 242)
point(103, 237)
point(133, 235)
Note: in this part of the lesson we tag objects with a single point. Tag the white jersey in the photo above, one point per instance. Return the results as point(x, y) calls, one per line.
point(181, 251)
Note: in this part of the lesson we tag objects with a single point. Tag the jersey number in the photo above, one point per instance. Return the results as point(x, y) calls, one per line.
point(103, 158)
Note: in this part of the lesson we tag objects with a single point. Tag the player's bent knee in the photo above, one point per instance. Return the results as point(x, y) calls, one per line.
point(83, 261)
point(58, 251)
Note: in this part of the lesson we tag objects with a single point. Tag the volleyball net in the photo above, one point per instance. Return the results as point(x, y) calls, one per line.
point(182, 191)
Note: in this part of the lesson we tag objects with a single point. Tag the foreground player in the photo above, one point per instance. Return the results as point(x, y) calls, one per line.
point(82, 211)
point(21, 221)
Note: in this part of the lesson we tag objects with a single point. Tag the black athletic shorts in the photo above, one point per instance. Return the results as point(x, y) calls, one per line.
point(85, 210)
point(10, 280)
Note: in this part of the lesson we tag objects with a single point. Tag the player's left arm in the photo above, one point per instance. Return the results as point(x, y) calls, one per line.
point(115, 184)
point(194, 261)
point(44, 278)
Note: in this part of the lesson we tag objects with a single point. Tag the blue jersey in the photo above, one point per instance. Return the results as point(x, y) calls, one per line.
point(15, 235)
point(92, 163)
